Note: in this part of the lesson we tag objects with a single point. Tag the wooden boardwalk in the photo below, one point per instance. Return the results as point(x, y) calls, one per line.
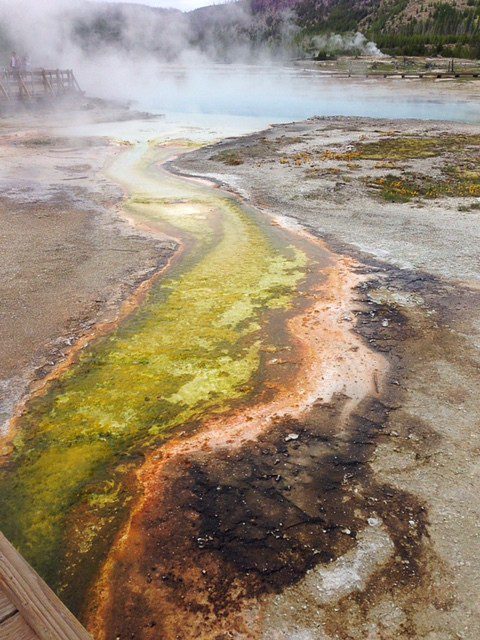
point(37, 85)
point(29, 610)
point(412, 75)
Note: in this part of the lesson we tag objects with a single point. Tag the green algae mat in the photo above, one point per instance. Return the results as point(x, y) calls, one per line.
point(191, 350)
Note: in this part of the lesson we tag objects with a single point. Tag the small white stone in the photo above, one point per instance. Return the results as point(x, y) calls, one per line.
point(291, 436)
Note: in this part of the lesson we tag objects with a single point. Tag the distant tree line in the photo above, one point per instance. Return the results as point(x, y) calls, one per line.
point(232, 30)
point(441, 29)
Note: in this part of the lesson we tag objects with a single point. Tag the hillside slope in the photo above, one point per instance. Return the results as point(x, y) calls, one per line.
point(405, 27)
point(238, 30)
point(449, 27)
point(417, 27)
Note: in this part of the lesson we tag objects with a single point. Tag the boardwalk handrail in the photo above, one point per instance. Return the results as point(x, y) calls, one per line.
point(37, 83)
point(409, 75)
point(39, 607)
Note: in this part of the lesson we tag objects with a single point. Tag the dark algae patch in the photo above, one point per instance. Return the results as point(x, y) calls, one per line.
point(254, 523)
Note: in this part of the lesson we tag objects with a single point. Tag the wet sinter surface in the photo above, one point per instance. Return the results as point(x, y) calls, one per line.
point(192, 349)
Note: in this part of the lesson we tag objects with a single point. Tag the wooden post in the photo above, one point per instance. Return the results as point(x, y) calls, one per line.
point(4, 91)
point(23, 88)
point(75, 83)
point(46, 82)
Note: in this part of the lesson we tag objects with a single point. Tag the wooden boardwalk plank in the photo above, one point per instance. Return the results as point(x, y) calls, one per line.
point(40, 608)
point(15, 628)
point(6, 607)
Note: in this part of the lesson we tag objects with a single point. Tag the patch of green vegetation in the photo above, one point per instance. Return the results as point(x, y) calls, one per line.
point(230, 157)
point(394, 188)
point(459, 175)
point(260, 149)
point(400, 148)
point(469, 208)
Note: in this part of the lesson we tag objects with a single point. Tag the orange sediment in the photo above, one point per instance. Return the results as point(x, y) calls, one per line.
point(334, 361)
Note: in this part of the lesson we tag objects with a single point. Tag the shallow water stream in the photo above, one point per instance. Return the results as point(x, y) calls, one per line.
point(191, 350)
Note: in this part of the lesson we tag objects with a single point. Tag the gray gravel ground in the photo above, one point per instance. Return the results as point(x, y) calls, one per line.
point(431, 235)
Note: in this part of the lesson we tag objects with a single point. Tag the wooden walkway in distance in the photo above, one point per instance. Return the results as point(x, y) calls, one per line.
point(40, 84)
point(410, 75)
point(29, 610)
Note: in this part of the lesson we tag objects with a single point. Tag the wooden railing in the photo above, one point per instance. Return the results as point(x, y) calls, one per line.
point(409, 75)
point(29, 610)
point(37, 84)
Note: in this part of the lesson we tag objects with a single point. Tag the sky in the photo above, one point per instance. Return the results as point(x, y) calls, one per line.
point(184, 5)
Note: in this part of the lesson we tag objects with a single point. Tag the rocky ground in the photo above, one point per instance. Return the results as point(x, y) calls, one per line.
point(68, 259)
point(402, 198)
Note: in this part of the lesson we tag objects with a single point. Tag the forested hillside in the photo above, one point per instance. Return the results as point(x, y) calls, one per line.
point(403, 27)
point(239, 30)
point(416, 28)
point(413, 27)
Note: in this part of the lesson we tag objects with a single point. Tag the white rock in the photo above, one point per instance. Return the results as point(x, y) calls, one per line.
point(292, 436)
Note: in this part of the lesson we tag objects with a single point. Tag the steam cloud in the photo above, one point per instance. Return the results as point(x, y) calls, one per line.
point(162, 58)
point(353, 44)
point(117, 50)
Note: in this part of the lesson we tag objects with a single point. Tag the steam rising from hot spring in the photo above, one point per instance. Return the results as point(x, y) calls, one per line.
point(119, 50)
point(170, 62)
point(355, 44)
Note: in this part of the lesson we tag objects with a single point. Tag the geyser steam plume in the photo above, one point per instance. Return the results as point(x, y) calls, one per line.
point(356, 44)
